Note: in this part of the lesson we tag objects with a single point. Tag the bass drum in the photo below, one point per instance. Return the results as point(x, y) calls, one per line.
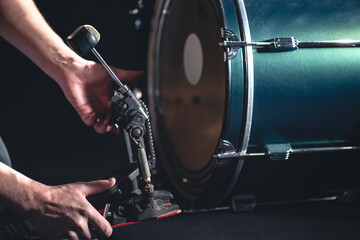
point(240, 107)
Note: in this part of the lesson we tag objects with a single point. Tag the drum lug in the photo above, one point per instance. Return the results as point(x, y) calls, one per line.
point(229, 36)
point(226, 148)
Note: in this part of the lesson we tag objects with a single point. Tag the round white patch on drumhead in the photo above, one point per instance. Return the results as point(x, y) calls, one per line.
point(193, 59)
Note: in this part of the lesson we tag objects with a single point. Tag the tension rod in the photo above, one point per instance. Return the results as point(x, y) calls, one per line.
point(291, 43)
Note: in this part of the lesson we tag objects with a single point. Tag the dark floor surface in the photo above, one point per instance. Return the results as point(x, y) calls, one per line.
point(301, 221)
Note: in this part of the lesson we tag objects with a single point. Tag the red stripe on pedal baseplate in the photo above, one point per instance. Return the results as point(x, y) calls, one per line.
point(124, 224)
point(120, 225)
point(169, 214)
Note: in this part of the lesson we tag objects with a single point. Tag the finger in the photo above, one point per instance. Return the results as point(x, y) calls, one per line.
point(90, 120)
point(100, 224)
point(94, 187)
point(71, 236)
point(102, 124)
point(82, 224)
point(85, 233)
point(127, 75)
point(107, 129)
point(102, 128)
point(95, 235)
point(115, 130)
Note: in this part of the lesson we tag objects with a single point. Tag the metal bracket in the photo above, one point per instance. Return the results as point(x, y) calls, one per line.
point(279, 151)
point(243, 203)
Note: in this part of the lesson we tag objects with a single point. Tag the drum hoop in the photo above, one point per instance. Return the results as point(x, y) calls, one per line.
point(249, 76)
point(249, 94)
point(245, 129)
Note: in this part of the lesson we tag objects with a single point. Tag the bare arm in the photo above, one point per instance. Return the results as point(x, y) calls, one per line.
point(85, 84)
point(23, 26)
point(57, 212)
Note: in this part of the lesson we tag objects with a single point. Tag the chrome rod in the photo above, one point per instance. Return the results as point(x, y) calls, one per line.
point(324, 149)
point(328, 44)
point(292, 151)
point(319, 199)
point(106, 66)
point(290, 43)
point(239, 44)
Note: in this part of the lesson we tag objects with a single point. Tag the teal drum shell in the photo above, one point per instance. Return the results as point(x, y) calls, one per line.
point(270, 123)
point(308, 96)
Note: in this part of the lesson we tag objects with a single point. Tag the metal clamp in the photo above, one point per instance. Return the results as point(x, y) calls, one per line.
point(280, 151)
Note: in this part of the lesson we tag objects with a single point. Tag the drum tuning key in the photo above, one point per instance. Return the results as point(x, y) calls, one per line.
point(134, 197)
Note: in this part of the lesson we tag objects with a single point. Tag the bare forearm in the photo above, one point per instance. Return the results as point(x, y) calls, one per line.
point(16, 190)
point(63, 208)
point(23, 26)
point(86, 84)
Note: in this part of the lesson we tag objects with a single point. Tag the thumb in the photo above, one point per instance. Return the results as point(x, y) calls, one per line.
point(127, 75)
point(94, 187)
